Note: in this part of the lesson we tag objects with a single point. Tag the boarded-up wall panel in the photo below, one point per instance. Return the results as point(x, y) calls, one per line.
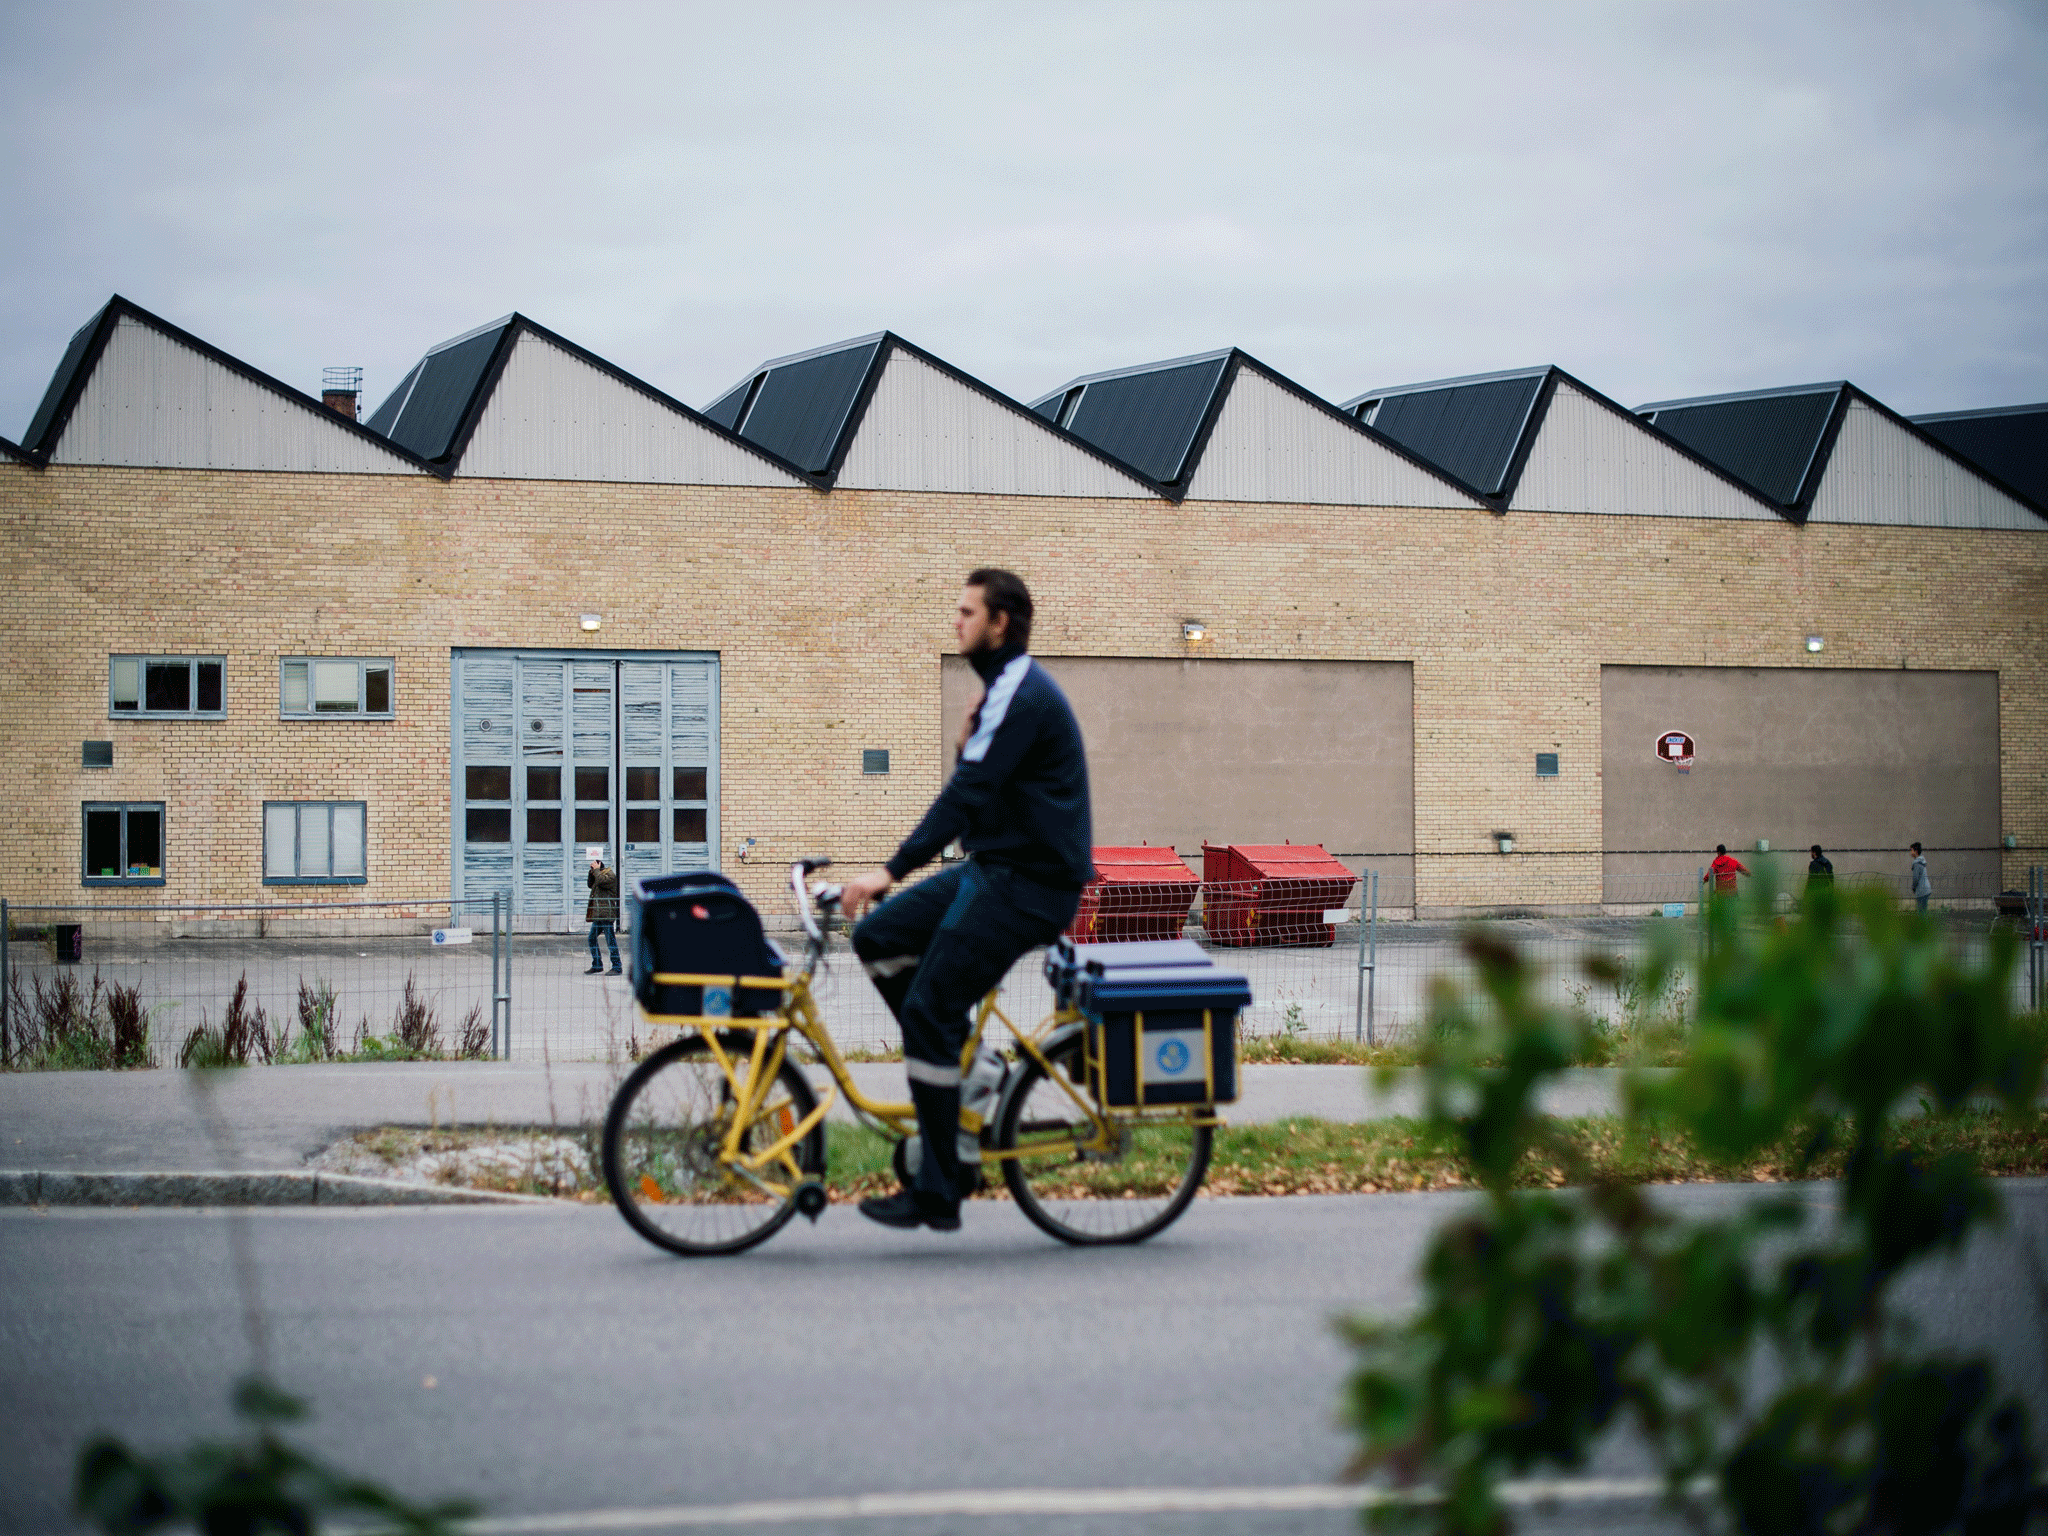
point(1861, 762)
point(1240, 752)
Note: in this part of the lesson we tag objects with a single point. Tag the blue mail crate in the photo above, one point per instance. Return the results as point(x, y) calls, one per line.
point(1067, 962)
point(1160, 1035)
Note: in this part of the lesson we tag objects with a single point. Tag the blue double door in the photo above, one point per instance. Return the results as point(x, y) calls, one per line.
point(558, 753)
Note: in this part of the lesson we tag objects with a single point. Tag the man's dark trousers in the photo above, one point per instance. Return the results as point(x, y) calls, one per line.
point(934, 951)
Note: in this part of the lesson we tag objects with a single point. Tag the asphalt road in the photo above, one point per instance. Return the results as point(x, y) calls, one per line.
point(575, 1368)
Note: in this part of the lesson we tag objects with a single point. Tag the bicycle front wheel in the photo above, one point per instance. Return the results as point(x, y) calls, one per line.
point(661, 1149)
point(1124, 1195)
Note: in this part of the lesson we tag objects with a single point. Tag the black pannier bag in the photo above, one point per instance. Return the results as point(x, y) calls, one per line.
point(699, 924)
point(1162, 1022)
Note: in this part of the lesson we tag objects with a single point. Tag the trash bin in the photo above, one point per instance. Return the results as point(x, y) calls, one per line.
point(1137, 893)
point(70, 939)
point(1271, 893)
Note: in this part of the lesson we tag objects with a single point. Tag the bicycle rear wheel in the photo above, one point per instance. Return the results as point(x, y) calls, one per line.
point(661, 1144)
point(1094, 1198)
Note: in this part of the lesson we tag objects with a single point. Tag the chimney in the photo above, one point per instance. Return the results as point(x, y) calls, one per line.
point(341, 389)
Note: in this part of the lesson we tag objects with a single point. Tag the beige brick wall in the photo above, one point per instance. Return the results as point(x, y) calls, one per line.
point(829, 613)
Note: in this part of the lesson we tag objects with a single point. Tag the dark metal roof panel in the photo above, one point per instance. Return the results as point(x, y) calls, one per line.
point(59, 382)
point(448, 378)
point(1768, 440)
point(2010, 444)
point(15, 451)
point(381, 419)
point(1470, 430)
point(801, 407)
point(725, 410)
point(1148, 418)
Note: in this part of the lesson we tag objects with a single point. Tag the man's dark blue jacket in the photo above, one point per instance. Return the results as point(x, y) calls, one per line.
point(1020, 794)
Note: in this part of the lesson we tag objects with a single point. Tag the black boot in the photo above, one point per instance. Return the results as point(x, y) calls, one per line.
point(913, 1208)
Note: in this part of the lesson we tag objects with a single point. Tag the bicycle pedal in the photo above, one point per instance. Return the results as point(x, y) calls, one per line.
point(811, 1199)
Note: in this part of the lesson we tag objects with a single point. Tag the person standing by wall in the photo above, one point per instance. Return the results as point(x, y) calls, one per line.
point(1720, 875)
point(1922, 886)
point(602, 910)
point(1819, 871)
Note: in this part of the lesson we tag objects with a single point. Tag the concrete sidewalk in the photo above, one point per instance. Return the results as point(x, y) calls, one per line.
point(280, 1116)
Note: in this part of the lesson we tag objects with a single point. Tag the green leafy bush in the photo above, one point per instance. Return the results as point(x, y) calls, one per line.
point(257, 1484)
point(1549, 1318)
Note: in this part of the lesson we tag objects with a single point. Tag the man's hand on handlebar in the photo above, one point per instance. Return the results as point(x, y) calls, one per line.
point(863, 891)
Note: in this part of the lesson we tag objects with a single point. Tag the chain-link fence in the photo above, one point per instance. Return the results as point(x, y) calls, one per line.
point(107, 985)
point(121, 985)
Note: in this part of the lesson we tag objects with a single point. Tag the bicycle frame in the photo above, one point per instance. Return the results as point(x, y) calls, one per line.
point(798, 1014)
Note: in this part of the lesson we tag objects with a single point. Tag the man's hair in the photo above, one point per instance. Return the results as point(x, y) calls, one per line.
point(1005, 592)
point(1720, 847)
point(1916, 847)
point(1816, 850)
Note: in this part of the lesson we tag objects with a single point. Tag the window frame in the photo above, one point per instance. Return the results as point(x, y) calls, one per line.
point(85, 810)
point(143, 662)
point(362, 664)
point(299, 806)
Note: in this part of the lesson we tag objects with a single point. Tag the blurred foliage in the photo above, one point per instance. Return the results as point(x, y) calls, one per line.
point(245, 1487)
point(1548, 1318)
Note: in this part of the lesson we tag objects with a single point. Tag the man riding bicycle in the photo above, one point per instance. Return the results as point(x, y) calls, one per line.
point(1018, 803)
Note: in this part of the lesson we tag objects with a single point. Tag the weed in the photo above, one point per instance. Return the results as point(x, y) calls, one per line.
point(476, 1035)
point(243, 1033)
point(416, 1028)
point(66, 1025)
point(318, 1010)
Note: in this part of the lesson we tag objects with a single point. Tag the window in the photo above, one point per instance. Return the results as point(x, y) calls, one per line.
point(483, 822)
point(124, 844)
point(314, 842)
point(314, 687)
point(690, 785)
point(165, 687)
point(543, 820)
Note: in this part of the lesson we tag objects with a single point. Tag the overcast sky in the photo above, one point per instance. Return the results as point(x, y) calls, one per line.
point(1664, 198)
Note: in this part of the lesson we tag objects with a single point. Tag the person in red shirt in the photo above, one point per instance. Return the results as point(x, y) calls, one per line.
point(1722, 871)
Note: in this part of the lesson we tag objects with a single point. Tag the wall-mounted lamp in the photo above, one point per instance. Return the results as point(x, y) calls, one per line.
point(2011, 841)
point(1815, 644)
point(1504, 841)
point(1194, 631)
point(592, 622)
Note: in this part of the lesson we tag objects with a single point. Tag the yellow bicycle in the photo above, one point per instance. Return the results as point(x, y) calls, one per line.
point(716, 1140)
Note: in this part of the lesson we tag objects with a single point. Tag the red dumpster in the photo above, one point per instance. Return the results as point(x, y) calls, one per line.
point(1137, 893)
point(1268, 893)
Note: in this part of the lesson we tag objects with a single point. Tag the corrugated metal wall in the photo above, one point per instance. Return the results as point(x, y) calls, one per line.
point(554, 417)
point(1587, 458)
point(924, 431)
point(155, 403)
point(1881, 473)
point(1269, 446)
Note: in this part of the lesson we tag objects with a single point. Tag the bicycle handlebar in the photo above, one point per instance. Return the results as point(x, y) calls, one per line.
point(809, 902)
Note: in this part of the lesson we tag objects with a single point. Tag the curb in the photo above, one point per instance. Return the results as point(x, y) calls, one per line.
point(29, 1186)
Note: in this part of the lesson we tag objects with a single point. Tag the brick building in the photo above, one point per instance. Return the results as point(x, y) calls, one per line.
point(255, 646)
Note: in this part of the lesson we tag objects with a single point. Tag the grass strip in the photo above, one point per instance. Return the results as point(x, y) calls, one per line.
point(1282, 1157)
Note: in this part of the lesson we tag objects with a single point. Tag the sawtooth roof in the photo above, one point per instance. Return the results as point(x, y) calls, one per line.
point(1157, 417)
point(436, 406)
point(806, 407)
point(1473, 428)
point(89, 341)
point(2008, 443)
point(1775, 441)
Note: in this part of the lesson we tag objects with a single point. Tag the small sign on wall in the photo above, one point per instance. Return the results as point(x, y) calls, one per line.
point(1676, 748)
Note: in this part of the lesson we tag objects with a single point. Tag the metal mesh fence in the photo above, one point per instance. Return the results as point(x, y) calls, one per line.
point(371, 980)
